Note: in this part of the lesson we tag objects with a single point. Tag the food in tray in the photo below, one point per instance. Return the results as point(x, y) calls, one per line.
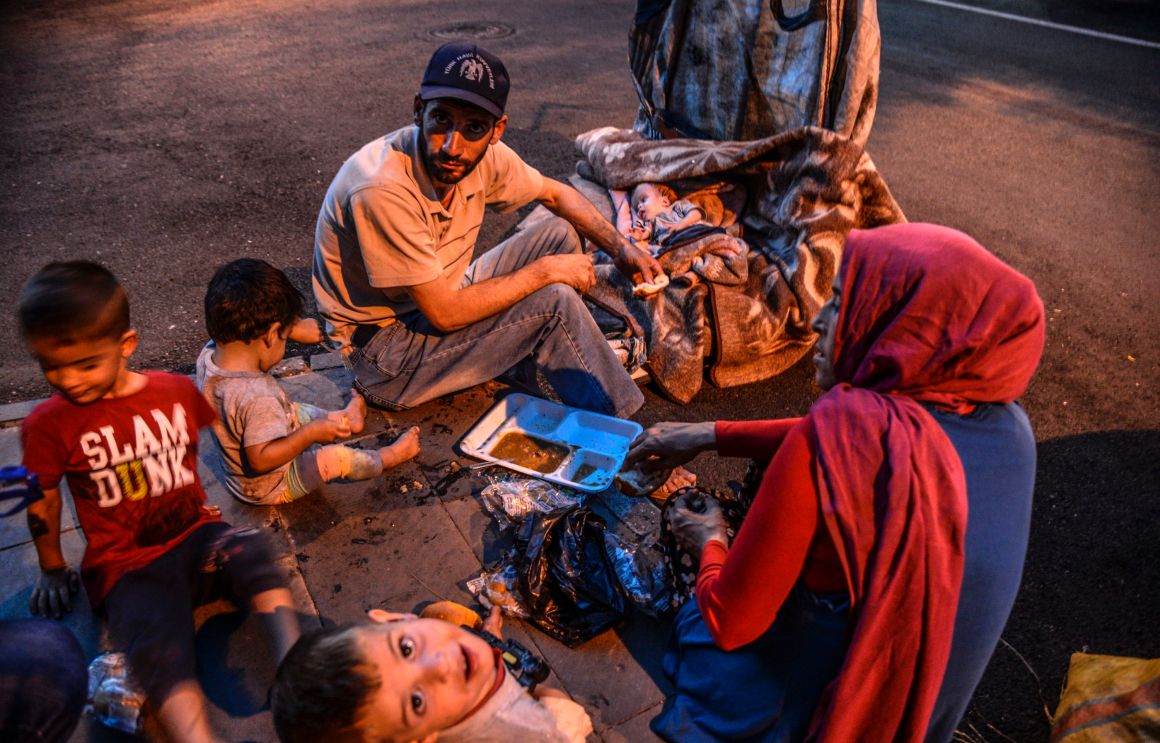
point(584, 471)
point(566, 446)
point(530, 452)
point(647, 289)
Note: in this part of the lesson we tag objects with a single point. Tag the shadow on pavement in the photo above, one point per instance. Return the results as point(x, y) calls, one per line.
point(1089, 583)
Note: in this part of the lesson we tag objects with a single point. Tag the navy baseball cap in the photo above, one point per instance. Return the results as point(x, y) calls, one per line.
point(467, 73)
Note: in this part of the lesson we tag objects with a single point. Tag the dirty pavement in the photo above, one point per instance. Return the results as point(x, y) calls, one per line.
point(415, 535)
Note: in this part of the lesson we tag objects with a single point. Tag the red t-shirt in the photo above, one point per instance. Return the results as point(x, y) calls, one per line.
point(131, 466)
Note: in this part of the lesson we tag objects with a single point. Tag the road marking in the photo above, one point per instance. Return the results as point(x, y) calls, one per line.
point(1045, 24)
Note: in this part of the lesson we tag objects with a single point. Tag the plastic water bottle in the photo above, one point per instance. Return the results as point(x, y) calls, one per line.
point(114, 698)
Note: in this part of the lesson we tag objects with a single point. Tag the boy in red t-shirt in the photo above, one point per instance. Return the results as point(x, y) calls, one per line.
point(127, 444)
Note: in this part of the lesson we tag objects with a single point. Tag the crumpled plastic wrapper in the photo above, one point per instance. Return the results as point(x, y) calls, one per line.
point(511, 499)
point(498, 588)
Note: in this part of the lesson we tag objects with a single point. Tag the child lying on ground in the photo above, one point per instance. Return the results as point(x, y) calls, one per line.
point(399, 678)
point(269, 447)
point(127, 444)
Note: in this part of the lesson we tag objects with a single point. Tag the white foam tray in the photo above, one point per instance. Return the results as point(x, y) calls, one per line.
point(598, 441)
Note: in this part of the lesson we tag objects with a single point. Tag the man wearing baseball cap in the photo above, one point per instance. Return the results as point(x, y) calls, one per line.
point(393, 274)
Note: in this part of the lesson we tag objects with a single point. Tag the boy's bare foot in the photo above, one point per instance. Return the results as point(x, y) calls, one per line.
point(403, 448)
point(678, 478)
point(356, 412)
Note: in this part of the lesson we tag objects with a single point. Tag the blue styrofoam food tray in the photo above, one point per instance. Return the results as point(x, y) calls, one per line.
point(590, 447)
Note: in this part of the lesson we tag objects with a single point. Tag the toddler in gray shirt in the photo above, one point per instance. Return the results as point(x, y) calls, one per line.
point(274, 450)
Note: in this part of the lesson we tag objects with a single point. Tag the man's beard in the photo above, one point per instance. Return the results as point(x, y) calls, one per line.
point(437, 166)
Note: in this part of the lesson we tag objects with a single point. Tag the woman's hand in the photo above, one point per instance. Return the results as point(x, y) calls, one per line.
point(696, 519)
point(665, 446)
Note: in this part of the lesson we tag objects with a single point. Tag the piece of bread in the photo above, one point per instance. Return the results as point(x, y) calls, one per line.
point(645, 289)
point(635, 483)
point(449, 611)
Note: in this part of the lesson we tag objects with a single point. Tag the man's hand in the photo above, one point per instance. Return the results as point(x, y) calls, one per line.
point(573, 269)
point(52, 595)
point(636, 265)
point(697, 519)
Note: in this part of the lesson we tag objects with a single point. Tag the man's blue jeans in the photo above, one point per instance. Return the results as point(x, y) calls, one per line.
point(410, 362)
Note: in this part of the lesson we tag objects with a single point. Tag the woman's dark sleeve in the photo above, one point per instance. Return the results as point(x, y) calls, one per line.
point(753, 439)
point(741, 589)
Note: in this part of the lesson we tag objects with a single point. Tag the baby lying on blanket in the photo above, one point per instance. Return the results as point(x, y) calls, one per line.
point(658, 221)
point(653, 214)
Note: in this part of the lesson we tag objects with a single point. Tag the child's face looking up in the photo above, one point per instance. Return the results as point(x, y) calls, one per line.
point(433, 674)
point(87, 370)
point(648, 201)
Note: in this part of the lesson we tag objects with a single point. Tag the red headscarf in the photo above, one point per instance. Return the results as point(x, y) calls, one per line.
point(926, 314)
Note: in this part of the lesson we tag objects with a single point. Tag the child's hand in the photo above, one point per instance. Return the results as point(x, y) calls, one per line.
point(381, 616)
point(52, 594)
point(306, 330)
point(325, 430)
point(494, 622)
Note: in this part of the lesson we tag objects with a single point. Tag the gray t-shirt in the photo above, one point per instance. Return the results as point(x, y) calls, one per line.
point(252, 409)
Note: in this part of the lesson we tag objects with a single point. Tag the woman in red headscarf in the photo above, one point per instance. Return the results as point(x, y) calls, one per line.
point(871, 578)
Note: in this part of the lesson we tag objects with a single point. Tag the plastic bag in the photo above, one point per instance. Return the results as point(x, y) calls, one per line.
point(498, 588)
point(510, 500)
point(567, 582)
point(642, 573)
point(114, 698)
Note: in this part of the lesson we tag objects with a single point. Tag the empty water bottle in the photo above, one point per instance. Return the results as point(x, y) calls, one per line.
point(114, 698)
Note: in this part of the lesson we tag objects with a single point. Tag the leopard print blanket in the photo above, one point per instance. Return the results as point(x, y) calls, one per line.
point(738, 315)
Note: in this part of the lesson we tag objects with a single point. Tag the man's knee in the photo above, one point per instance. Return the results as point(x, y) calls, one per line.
point(560, 299)
point(560, 233)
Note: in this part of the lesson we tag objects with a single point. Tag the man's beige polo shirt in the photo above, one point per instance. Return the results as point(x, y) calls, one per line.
point(382, 229)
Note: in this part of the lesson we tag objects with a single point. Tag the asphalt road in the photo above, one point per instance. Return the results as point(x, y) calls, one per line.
point(165, 138)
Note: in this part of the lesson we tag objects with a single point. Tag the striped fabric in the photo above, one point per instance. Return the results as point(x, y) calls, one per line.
point(1108, 698)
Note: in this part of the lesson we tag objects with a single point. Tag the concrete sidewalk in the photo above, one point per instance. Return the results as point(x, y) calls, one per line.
point(394, 543)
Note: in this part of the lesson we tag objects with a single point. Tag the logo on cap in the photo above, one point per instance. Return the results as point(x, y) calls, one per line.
point(468, 73)
point(471, 68)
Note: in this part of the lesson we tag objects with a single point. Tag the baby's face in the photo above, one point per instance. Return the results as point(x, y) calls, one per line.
point(648, 201)
point(433, 674)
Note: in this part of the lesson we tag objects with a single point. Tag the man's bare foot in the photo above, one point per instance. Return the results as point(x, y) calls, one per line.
point(401, 449)
point(678, 478)
point(356, 412)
